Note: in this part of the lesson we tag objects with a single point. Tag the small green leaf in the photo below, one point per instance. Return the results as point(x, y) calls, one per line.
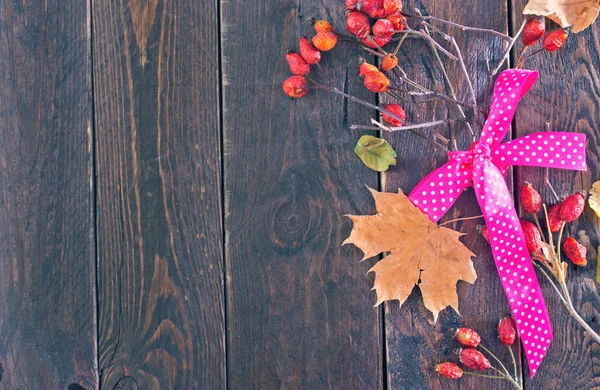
point(375, 152)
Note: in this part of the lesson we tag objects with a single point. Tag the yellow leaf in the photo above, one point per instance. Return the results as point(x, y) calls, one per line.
point(421, 253)
point(594, 199)
point(577, 13)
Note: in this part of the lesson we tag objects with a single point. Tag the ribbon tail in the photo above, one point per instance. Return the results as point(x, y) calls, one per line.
point(513, 262)
point(438, 191)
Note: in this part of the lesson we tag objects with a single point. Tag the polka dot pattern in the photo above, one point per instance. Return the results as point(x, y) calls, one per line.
point(483, 167)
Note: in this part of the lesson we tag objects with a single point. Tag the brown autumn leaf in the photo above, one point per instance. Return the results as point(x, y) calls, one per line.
point(577, 13)
point(421, 253)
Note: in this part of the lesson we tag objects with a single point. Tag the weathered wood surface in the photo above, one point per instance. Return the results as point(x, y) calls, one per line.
point(414, 346)
point(567, 96)
point(299, 311)
point(160, 268)
point(212, 206)
point(47, 265)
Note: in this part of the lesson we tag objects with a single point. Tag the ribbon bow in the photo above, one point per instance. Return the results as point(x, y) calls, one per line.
point(484, 166)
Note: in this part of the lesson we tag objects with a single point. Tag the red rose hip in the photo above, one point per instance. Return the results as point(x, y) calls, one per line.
point(467, 337)
point(397, 111)
point(324, 40)
point(575, 252)
point(449, 370)
point(383, 28)
point(357, 24)
point(534, 29)
point(309, 52)
point(530, 199)
point(555, 40)
point(533, 238)
point(474, 359)
point(297, 64)
point(507, 331)
point(295, 86)
point(572, 207)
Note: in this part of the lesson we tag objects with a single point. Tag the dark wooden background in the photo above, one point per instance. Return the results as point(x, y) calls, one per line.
point(170, 220)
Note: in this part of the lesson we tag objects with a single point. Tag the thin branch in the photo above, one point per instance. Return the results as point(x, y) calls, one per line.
point(466, 73)
point(508, 49)
point(460, 26)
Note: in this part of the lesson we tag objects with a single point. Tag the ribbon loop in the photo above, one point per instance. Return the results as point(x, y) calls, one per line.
point(483, 166)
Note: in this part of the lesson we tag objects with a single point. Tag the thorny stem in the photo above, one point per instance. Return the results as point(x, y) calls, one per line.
point(449, 85)
point(576, 315)
point(432, 41)
point(508, 49)
point(462, 27)
point(461, 219)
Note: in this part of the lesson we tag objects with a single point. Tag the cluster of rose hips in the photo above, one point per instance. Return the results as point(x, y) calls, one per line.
point(474, 359)
point(325, 39)
point(555, 219)
point(534, 30)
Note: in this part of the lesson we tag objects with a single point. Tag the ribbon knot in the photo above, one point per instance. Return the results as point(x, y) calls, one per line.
point(483, 167)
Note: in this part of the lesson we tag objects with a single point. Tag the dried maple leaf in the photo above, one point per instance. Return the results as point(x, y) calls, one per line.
point(577, 13)
point(421, 253)
point(594, 199)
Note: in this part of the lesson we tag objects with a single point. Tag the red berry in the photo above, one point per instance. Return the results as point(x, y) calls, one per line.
point(474, 359)
point(507, 331)
point(383, 28)
point(295, 86)
point(392, 6)
point(322, 26)
point(576, 252)
point(297, 64)
point(373, 8)
point(530, 199)
point(351, 4)
point(325, 40)
point(309, 52)
point(467, 337)
point(449, 370)
point(572, 207)
point(398, 20)
point(554, 219)
point(485, 234)
point(396, 110)
point(555, 40)
point(389, 62)
point(533, 239)
point(534, 29)
point(357, 24)
point(376, 82)
point(380, 40)
point(365, 68)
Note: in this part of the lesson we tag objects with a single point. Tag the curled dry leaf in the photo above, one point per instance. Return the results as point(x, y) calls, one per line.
point(577, 13)
point(594, 198)
point(421, 253)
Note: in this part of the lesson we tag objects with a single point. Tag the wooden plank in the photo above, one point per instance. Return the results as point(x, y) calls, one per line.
point(47, 277)
point(300, 314)
point(161, 311)
point(567, 97)
point(414, 346)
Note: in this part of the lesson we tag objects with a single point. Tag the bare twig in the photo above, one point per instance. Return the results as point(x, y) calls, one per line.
point(467, 77)
point(508, 49)
point(460, 26)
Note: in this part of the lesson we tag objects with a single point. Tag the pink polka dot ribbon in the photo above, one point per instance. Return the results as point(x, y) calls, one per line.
point(484, 166)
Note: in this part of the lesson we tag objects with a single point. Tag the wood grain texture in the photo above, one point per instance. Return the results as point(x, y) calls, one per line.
point(300, 314)
point(161, 310)
point(414, 346)
point(567, 96)
point(47, 278)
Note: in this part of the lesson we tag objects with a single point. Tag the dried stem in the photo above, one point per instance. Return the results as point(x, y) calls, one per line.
point(450, 87)
point(495, 358)
point(467, 77)
point(514, 362)
point(460, 26)
point(508, 49)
